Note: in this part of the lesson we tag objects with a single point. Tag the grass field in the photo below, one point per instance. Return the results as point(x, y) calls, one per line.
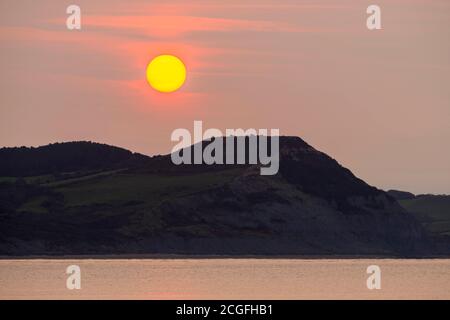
point(118, 189)
point(433, 211)
point(121, 188)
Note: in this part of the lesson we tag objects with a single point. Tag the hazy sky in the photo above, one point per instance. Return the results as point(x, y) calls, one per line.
point(377, 101)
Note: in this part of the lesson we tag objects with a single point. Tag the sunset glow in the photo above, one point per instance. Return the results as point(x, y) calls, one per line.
point(263, 64)
point(224, 159)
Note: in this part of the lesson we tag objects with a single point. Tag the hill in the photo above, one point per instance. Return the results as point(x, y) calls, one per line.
point(313, 206)
point(433, 212)
point(64, 157)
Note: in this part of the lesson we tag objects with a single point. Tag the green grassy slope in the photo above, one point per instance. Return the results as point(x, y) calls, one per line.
point(118, 188)
point(433, 211)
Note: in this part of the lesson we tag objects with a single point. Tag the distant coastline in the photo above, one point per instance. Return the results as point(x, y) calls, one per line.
point(88, 200)
point(204, 257)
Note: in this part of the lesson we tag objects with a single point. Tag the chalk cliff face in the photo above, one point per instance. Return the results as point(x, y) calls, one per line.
point(312, 206)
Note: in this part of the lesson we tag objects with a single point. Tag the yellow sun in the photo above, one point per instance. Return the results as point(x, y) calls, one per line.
point(166, 73)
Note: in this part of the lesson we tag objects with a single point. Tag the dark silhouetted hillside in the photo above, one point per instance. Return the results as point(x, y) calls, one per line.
point(401, 195)
point(313, 206)
point(433, 212)
point(64, 157)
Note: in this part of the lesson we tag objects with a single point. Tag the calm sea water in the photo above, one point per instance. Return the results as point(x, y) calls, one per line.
point(225, 279)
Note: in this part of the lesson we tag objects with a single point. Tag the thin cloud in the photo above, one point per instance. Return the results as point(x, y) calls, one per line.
point(173, 26)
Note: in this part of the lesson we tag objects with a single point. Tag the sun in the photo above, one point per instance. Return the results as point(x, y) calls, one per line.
point(166, 73)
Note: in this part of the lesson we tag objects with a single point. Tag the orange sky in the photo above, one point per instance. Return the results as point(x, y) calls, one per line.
point(378, 102)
